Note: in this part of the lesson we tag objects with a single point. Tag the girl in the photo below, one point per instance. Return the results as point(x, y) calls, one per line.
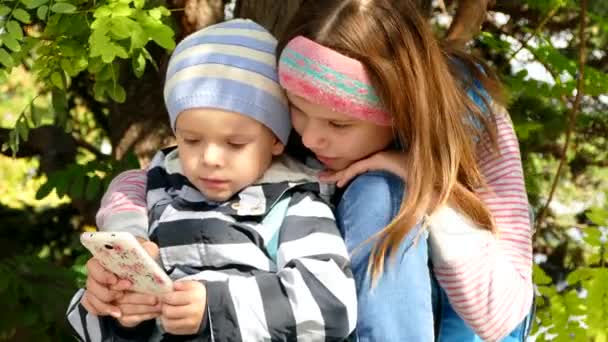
point(367, 76)
point(348, 62)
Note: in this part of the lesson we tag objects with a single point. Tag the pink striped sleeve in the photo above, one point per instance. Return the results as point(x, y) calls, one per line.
point(492, 289)
point(123, 206)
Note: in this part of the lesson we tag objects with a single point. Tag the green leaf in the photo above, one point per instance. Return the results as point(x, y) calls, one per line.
point(150, 59)
point(105, 73)
point(31, 4)
point(122, 10)
point(63, 7)
point(77, 187)
point(36, 115)
point(60, 106)
point(121, 27)
point(3, 76)
point(22, 129)
point(6, 59)
point(14, 29)
point(21, 15)
point(57, 79)
point(138, 63)
point(99, 89)
point(161, 34)
point(67, 66)
point(158, 12)
point(117, 93)
point(540, 277)
point(4, 10)
point(598, 216)
point(102, 11)
point(139, 38)
point(139, 4)
point(93, 188)
point(42, 11)
point(13, 141)
point(11, 43)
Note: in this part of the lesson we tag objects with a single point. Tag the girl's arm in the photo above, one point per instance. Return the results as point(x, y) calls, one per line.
point(488, 278)
point(123, 206)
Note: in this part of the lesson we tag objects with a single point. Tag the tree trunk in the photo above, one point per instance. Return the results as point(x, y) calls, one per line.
point(273, 15)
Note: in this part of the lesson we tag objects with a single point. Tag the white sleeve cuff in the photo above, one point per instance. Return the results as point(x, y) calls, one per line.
point(453, 237)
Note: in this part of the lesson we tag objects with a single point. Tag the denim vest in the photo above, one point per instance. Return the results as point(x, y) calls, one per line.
point(449, 327)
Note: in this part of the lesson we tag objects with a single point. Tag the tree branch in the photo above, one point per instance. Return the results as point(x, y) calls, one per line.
point(573, 112)
point(470, 14)
point(535, 33)
point(94, 150)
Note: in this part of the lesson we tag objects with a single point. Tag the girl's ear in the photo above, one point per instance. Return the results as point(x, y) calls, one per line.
point(277, 147)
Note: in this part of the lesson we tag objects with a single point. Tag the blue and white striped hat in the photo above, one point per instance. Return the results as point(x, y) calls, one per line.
point(230, 66)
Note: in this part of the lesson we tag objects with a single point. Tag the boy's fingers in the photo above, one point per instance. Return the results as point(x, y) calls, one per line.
point(99, 273)
point(101, 292)
point(138, 299)
point(133, 320)
point(88, 305)
point(133, 309)
point(185, 293)
point(121, 285)
point(102, 308)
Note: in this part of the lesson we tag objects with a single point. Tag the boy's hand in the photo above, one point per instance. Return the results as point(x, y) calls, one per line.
point(137, 307)
point(102, 288)
point(184, 308)
point(391, 161)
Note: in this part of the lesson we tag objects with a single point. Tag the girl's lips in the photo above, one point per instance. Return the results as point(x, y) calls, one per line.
point(326, 160)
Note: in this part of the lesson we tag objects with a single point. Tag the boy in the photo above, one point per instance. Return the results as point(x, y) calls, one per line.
point(256, 251)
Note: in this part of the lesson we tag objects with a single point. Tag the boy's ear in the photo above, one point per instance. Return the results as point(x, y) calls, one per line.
point(278, 147)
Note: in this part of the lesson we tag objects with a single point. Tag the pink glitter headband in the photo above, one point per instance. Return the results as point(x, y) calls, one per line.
point(325, 77)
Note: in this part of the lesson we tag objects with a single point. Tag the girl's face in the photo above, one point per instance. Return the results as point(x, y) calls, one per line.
point(336, 139)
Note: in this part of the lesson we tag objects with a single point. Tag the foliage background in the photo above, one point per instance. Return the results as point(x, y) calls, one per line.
point(79, 101)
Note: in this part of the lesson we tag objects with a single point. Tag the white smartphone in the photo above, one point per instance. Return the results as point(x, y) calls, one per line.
point(122, 254)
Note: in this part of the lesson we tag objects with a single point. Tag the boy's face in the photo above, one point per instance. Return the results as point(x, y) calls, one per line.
point(223, 152)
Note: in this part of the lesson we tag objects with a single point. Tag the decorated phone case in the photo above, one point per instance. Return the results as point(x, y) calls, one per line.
point(122, 254)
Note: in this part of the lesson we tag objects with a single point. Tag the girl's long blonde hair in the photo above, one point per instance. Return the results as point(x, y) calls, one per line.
point(423, 85)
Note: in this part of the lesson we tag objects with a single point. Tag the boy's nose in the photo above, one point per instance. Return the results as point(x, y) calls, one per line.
point(213, 156)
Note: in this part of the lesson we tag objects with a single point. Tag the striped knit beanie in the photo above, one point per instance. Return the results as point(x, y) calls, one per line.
point(229, 66)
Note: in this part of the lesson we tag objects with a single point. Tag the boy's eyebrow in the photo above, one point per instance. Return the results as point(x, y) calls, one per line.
point(182, 130)
point(241, 135)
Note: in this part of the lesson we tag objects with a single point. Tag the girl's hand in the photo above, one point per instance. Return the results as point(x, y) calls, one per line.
point(391, 161)
point(184, 308)
point(149, 247)
point(137, 307)
point(102, 289)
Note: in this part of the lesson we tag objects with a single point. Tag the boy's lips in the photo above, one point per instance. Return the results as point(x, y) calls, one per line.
point(213, 183)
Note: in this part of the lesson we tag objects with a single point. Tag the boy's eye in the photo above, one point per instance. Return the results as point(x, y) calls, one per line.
point(191, 141)
point(337, 124)
point(237, 144)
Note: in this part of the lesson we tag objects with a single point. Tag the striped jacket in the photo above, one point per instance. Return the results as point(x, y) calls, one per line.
point(272, 259)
